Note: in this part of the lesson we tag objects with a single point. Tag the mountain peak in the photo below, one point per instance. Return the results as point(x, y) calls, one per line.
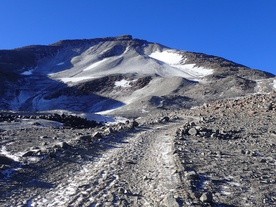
point(120, 68)
point(92, 40)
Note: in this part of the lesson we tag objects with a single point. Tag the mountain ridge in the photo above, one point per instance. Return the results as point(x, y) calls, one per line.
point(70, 42)
point(75, 68)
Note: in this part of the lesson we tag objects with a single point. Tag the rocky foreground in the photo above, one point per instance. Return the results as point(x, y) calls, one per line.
point(229, 156)
point(218, 154)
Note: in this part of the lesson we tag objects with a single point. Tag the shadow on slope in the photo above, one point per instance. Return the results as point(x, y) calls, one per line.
point(40, 93)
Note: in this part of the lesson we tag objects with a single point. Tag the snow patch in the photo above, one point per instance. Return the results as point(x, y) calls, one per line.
point(108, 120)
point(74, 79)
point(265, 86)
point(178, 68)
point(167, 56)
point(223, 192)
point(123, 83)
point(62, 63)
point(5, 152)
point(28, 72)
point(95, 65)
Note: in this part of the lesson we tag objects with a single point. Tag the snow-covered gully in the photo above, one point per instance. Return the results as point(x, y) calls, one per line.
point(141, 171)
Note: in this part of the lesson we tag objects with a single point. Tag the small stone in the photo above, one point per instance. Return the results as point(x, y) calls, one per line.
point(206, 197)
point(192, 131)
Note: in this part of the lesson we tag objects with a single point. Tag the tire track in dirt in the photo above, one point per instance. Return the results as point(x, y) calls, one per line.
point(141, 171)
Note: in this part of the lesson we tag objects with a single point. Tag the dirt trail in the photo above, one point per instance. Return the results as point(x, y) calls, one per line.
point(141, 171)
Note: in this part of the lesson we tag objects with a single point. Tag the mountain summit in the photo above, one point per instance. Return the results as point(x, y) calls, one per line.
point(95, 75)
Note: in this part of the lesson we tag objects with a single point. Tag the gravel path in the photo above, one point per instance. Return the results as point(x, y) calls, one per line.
point(140, 171)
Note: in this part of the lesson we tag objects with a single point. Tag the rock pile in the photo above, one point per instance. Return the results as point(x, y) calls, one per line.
point(190, 129)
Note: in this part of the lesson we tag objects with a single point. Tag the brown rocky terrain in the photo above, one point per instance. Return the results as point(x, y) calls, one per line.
point(229, 156)
point(218, 154)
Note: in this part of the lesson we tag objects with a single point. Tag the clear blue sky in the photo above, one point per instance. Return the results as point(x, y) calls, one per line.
point(240, 30)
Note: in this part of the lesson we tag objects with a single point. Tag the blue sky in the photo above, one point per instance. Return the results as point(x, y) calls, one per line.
point(240, 30)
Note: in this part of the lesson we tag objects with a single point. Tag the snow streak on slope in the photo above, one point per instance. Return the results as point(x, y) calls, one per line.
point(173, 59)
point(74, 79)
point(94, 65)
point(28, 72)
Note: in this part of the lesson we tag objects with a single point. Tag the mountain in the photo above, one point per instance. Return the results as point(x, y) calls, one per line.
point(125, 122)
point(96, 75)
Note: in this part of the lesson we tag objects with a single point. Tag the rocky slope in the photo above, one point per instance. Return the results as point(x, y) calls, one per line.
point(230, 154)
point(218, 154)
